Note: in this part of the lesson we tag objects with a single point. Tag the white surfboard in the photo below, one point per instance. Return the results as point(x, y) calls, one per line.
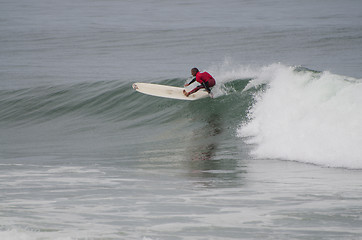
point(167, 91)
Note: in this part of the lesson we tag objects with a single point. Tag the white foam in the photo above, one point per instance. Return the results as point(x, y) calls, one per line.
point(18, 234)
point(306, 116)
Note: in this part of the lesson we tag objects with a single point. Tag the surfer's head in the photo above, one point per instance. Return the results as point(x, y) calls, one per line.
point(194, 71)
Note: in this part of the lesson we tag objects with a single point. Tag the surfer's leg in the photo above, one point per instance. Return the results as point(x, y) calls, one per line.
point(196, 89)
point(211, 82)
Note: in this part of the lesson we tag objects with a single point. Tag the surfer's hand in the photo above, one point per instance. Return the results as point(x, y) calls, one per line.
point(186, 85)
point(211, 95)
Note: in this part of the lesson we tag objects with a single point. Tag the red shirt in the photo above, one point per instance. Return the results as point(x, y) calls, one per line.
point(203, 77)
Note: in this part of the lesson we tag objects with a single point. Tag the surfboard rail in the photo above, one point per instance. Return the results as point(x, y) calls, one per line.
point(165, 91)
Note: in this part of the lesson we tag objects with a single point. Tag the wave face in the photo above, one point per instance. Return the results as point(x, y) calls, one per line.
point(306, 116)
point(114, 101)
point(280, 112)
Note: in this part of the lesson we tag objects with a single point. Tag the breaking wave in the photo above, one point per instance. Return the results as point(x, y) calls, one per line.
point(306, 116)
point(282, 112)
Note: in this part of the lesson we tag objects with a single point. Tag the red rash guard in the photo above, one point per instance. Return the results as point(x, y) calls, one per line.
point(203, 77)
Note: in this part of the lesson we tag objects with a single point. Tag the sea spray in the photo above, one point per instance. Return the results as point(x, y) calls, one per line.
point(305, 116)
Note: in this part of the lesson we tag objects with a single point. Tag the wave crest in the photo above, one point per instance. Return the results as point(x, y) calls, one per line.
point(306, 116)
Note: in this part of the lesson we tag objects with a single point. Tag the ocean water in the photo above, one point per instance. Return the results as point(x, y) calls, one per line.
point(275, 155)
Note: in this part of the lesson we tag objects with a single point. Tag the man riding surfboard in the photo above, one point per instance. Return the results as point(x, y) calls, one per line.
point(204, 78)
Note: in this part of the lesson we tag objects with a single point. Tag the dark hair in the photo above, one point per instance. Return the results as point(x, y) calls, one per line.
point(195, 69)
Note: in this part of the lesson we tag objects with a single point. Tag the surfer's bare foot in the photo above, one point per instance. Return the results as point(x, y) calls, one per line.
point(185, 93)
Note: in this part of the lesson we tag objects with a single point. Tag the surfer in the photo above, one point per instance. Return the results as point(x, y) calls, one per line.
point(204, 78)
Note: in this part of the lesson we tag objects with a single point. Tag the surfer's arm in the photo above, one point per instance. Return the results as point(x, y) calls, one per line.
point(192, 81)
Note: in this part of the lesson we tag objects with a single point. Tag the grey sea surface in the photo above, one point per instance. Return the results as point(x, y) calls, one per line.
point(275, 155)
